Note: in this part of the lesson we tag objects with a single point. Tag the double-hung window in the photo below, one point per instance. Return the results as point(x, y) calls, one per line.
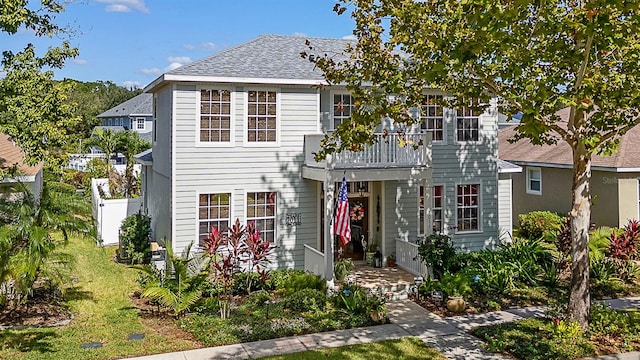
point(342, 108)
point(261, 209)
point(432, 117)
point(140, 123)
point(468, 123)
point(534, 180)
point(215, 115)
point(213, 211)
point(437, 196)
point(262, 116)
point(468, 207)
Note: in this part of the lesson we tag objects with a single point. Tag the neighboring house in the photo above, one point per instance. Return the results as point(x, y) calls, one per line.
point(80, 161)
point(235, 136)
point(11, 155)
point(545, 183)
point(135, 114)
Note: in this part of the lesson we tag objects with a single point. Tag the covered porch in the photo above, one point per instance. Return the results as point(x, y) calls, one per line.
point(381, 179)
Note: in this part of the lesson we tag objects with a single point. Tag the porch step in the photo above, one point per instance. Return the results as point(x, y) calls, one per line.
point(393, 281)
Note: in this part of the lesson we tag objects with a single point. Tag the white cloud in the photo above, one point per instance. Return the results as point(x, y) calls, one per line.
point(179, 59)
point(349, 37)
point(129, 84)
point(152, 71)
point(174, 63)
point(80, 61)
point(124, 5)
point(205, 46)
point(301, 34)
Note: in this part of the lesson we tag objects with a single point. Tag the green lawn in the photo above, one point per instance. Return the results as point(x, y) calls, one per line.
point(402, 349)
point(103, 313)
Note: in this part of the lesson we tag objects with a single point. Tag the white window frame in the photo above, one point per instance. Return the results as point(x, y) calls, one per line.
point(245, 119)
point(530, 170)
point(478, 206)
point(197, 203)
point(442, 207)
point(232, 116)
point(275, 212)
point(332, 118)
point(144, 122)
point(424, 117)
point(477, 117)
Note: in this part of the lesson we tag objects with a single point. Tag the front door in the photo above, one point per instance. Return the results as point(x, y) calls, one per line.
point(359, 215)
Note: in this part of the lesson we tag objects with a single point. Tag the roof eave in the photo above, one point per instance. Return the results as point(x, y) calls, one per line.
point(228, 79)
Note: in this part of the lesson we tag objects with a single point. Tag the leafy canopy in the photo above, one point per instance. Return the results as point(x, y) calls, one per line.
point(535, 56)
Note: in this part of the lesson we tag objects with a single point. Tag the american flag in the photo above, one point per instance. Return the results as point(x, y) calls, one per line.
point(342, 225)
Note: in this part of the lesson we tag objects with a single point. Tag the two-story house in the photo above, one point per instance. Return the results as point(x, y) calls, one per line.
point(135, 114)
point(235, 136)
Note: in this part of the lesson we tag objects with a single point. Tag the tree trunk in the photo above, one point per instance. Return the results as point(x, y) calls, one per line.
point(579, 297)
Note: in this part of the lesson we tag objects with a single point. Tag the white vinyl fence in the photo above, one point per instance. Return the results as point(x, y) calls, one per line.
point(109, 213)
point(407, 258)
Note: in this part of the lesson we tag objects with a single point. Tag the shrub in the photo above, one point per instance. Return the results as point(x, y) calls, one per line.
point(241, 282)
point(623, 245)
point(301, 280)
point(134, 238)
point(437, 252)
point(305, 300)
point(541, 224)
point(455, 285)
point(260, 297)
point(342, 268)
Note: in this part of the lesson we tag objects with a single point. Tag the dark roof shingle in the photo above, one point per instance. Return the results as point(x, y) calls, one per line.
point(139, 105)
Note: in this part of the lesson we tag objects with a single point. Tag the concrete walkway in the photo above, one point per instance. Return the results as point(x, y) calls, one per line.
point(448, 335)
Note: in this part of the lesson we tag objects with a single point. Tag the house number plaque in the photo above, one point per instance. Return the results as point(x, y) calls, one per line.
point(293, 219)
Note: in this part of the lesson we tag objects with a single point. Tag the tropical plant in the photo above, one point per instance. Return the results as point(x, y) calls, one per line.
point(135, 233)
point(438, 253)
point(342, 268)
point(455, 285)
point(540, 224)
point(181, 286)
point(106, 140)
point(129, 144)
point(531, 57)
point(29, 246)
point(623, 245)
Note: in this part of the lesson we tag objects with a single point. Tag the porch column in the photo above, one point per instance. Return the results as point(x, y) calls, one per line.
point(329, 187)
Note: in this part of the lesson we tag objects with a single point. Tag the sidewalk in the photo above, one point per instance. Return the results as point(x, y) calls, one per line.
point(447, 335)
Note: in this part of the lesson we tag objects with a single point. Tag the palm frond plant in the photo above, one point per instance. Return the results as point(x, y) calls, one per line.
point(180, 287)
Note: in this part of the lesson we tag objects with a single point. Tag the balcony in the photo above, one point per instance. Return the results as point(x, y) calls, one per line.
point(385, 153)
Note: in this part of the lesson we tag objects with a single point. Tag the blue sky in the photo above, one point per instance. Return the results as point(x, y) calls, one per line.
point(131, 42)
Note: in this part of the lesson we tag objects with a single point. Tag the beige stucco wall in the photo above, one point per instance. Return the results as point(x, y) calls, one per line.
point(628, 197)
point(615, 195)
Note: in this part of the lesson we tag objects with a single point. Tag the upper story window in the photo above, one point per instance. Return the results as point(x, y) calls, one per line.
point(262, 116)
point(432, 117)
point(215, 115)
point(534, 180)
point(468, 123)
point(213, 211)
point(468, 207)
point(140, 123)
point(261, 209)
point(342, 107)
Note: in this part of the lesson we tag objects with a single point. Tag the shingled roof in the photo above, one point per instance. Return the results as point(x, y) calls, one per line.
point(265, 57)
point(11, 154)
point(524, 152)
point(139, 105)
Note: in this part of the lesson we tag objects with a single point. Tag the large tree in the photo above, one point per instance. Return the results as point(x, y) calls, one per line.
point(33, 107)
point(534, 56)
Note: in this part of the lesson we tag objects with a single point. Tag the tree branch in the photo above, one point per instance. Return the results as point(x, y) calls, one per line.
point(613, 133)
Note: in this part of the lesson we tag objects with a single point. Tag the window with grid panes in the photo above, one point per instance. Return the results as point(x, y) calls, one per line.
point(468, 122)
point(432, 117)
point(342, 107)
point(213, 211)
point(261, 122)
point(261, 209)
point(468, 207)
point(215, 115)
point(140, 123)
point(436, 207)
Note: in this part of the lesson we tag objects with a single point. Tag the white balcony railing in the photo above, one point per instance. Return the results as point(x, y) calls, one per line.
point(313, 261)
point(386, 151)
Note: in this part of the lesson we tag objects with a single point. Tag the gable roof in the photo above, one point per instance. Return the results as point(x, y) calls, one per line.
point(139, 105)
point(524, 152)
point(11, 154)
point(267, 57)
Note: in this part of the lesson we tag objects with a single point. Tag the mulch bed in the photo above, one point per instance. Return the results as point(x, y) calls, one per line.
point(38, 311)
